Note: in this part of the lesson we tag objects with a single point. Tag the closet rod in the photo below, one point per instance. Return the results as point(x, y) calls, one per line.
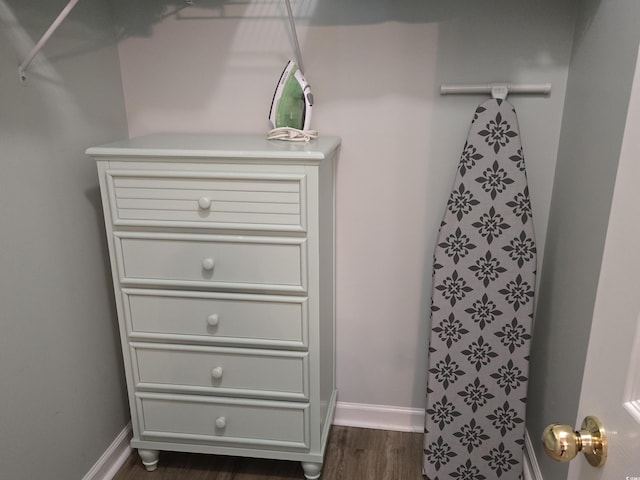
point(38, 46)
point(532, 88)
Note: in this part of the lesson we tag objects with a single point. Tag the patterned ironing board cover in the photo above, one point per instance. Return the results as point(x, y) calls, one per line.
point(482, 308)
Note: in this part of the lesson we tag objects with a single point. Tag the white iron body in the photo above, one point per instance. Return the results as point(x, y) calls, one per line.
point(292, 101)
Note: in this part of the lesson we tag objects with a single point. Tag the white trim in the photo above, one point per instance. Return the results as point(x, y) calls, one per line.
point(632, 384)
point(531, 468)
point(113, 458)
point(379, 417)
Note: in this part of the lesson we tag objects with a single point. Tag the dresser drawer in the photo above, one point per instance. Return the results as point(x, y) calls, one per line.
point(213, 420)
point(206, 199)
point(228, 371)
point(216, 318)
point(214, 261)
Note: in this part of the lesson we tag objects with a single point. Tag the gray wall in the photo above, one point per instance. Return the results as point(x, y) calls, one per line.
point(62, 394)
point(375, 67)
point(597, 95)
point(62, 398)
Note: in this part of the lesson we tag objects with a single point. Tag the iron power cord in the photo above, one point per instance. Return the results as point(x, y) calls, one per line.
point(291, 134)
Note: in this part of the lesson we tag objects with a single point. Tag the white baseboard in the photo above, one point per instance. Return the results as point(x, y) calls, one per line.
point(531, 468)
point(113, 458)
point(379, 417)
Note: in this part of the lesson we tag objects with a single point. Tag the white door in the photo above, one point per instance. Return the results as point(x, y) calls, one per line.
point(611, 381)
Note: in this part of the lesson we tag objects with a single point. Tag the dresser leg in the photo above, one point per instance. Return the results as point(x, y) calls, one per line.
point(311, 470)
point(149, 458)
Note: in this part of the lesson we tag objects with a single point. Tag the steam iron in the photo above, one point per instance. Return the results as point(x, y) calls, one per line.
point(292, 101)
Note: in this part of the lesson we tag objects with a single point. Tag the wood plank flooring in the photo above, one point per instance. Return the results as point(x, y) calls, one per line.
point(352, 454)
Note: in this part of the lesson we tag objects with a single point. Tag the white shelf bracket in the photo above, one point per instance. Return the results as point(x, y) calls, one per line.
point(38, 46)
point(294, 34)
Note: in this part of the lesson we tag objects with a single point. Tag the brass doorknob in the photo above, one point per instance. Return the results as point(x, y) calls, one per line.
point(562, 442)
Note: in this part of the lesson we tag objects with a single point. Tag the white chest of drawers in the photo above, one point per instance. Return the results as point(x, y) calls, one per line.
point(222, 254)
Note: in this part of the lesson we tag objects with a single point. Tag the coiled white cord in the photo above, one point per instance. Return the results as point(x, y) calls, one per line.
point(291, 134)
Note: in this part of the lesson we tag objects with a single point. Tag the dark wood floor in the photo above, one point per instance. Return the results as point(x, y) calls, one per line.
point(352, 454)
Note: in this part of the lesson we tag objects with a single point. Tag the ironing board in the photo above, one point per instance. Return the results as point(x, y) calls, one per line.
point(482, 309)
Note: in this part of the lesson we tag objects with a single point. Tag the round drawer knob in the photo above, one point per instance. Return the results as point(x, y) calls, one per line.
point(213, 320)
point(216, 373)
point(207, 264)
point(204, 203)
point(221, 422)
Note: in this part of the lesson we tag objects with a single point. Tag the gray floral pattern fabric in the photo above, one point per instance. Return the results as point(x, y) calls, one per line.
point(482, 307)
